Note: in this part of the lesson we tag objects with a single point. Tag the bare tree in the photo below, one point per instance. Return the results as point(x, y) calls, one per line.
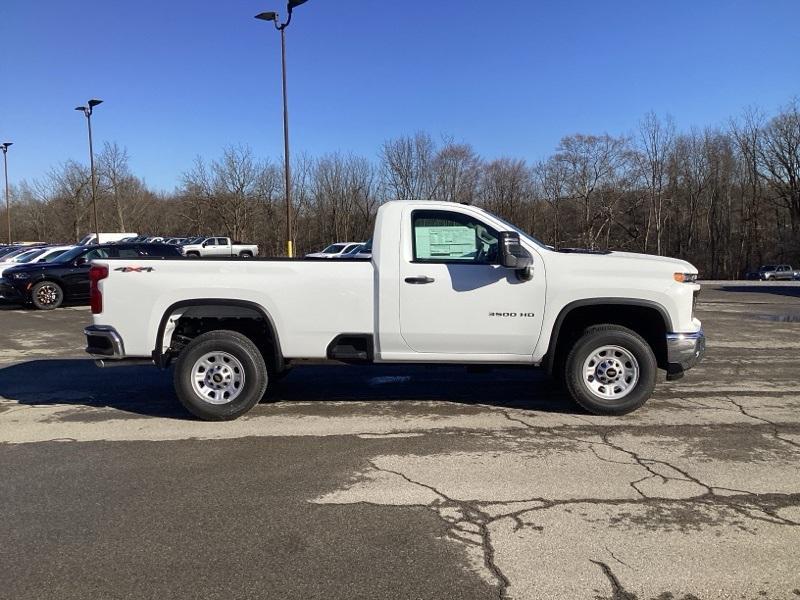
point(407, 164)
point(456, 172)
point(656, 141)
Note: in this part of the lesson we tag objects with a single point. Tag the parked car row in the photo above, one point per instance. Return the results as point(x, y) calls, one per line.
point(195, 247)
point(64, 276)
point(345, 250)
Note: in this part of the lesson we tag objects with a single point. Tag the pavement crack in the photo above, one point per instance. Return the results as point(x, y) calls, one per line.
point(617, 591)
point(472, 515)
point(623, 563)
point(776, 432)
point(643, 462)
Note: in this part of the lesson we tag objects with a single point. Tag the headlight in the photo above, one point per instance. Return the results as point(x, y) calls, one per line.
point(685, 277)
point(20, 276)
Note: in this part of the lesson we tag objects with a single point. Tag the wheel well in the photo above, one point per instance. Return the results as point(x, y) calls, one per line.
point(647, 321)
point(181, 324)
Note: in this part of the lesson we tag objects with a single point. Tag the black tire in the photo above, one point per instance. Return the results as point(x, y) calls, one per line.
point(246, 254)
point(192, 255)
point(242, 349)
point(47, 295)
point(594, 338)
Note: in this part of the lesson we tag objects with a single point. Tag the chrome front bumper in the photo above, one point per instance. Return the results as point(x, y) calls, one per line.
point(684, 350)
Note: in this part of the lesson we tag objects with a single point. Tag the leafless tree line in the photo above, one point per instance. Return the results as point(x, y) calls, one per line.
point(725, 198)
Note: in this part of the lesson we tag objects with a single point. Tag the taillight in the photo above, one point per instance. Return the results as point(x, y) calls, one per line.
point(96, 273)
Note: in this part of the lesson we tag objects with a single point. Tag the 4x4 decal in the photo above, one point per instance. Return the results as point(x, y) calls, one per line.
point(135, 269)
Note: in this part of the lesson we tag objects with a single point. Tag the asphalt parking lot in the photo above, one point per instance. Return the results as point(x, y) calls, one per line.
point(397, 482)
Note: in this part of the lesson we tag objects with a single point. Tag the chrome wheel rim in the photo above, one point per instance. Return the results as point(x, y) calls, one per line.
point(218, 377)
point(47, 294)
point(611, 372)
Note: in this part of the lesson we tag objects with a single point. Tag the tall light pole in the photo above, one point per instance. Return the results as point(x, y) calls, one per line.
point(273, 16)
point(87, 110)
point(5, 146)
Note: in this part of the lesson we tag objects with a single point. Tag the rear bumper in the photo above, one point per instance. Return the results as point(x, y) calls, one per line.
point(103, 341)
point(684, 350)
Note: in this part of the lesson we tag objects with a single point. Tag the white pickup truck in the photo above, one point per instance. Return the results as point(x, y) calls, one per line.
point(447, 283)
point(218, 246)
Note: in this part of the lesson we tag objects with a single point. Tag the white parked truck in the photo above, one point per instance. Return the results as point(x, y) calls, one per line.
point(105, 238)
point(447, 283)
point(219, 246)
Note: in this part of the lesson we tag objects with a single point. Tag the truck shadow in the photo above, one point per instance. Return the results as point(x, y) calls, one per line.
point(792, 291)
point(145, 391)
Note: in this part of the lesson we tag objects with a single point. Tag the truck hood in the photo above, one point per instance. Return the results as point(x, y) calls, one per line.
point(31, 268)
point(628, 264)
point(680, 266)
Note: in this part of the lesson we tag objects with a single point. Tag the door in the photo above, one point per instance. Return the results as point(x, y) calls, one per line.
point(455, 297)
point(76, 280)
point(222, 247)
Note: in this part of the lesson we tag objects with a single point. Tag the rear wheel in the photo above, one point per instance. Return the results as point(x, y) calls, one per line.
point(246, 254)
point(611, 370)
point(47, 295)
point(220, 375)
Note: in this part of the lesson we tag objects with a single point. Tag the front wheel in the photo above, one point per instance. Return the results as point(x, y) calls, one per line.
point(611, 370)
point(220, 375)
point(47, 295)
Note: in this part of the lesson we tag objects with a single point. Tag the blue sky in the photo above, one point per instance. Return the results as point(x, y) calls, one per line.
point(182, 78)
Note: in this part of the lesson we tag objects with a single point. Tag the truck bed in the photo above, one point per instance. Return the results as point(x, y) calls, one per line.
point(309, 296)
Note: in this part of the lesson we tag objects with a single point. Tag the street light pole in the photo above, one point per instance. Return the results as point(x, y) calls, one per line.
point(5, 146)
point(87, 110)
point(287, 173)
point(286, 166)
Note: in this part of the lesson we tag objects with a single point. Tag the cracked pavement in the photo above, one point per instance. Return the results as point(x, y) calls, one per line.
point(405, 482)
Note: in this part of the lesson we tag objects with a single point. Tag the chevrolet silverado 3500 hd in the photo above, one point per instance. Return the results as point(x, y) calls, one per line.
point(447, 283)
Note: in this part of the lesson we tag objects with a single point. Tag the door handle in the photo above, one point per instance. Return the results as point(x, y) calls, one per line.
point(419, 280)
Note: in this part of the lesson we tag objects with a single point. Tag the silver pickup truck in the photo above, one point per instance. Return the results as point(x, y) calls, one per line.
point(778, 273)
point(219, 246)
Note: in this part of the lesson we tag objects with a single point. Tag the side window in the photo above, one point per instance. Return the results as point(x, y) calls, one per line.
point(449, 237)
point(159, 251)
point(96, 253)
point(223, 241)
point(128, 253)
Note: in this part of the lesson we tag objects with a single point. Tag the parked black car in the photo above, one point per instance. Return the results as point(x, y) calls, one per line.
point(66, 278)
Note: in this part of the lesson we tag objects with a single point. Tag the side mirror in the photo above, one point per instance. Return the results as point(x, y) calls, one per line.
point(80, 261)
point(205, 244)
point(513, 255)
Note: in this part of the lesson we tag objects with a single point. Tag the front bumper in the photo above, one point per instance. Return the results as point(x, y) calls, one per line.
point(103, 341)
point(9, 292)
point(684, 350)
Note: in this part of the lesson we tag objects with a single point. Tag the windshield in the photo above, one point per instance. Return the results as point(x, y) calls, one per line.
point(334, 249)
point(70, 255)
point(30, 255)
point(53, 255)
point(11, 256)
